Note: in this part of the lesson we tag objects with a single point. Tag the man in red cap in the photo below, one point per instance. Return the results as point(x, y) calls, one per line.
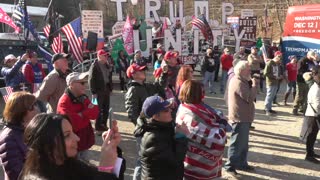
point(273, 75)
point(100, 85)
point(137, 92)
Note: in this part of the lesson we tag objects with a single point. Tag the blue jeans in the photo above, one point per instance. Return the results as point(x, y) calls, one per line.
point(271, 93)
point(224, 79)
point(239, 146)
point(208, 80)
point(291, 86)
point(137, 169)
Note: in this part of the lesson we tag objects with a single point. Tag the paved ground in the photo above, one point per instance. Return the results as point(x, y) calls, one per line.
point(275, 149)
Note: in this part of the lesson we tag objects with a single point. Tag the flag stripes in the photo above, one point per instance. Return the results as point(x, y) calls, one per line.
point(6, 91)
point(57, 45)
point(73, 34)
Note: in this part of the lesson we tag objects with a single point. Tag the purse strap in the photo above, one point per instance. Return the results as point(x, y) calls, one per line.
point(317, 118)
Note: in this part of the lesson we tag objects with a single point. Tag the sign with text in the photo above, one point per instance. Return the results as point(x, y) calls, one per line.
point(92, 21)
point(118, 27)
point(249, 24)
point(246, 13)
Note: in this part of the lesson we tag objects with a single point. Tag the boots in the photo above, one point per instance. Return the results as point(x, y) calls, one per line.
point(294, 95)
point(286, 95)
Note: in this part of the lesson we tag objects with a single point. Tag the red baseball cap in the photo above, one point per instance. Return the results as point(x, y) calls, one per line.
point(134, 68)
point(169, 55)
point(278, 53)
point(102, 52)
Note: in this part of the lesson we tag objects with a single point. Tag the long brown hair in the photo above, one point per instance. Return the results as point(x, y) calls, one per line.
point(191, 92)
point(183, 74)
point(17, 107)
point(45, 140)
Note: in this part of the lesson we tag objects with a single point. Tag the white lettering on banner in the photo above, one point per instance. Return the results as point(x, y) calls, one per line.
point(303, 50)
point(153, 9)
point(169, 39)
point(303, 18)
point(119, 9)
point(226, 6)
point(172, 12)
point(136, 41)
point(203, 6)
point(246, 13)
point(196, 41)
point(238, 38)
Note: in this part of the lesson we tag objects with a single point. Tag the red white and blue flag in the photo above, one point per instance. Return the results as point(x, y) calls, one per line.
point(57, 46)
point(201, 23)
point(73, 35)
point(6, 91)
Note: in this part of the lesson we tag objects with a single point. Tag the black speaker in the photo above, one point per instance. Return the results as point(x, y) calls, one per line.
point(92, 41)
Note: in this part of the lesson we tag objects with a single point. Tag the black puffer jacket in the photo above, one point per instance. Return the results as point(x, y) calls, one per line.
point(157, 150)
point(137, 93)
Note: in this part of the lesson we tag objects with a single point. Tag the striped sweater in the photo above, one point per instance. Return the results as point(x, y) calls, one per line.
point(206, 144)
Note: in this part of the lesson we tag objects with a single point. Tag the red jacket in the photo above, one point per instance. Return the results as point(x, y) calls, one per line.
point(226, 62)
point(73, 107)
point(29, 74)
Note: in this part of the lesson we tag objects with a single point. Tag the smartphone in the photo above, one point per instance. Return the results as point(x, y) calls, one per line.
point(110, 118)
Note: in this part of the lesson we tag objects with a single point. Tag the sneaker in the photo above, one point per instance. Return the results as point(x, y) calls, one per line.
point(272, 111)
point(247, 168)
point(312, 159)
point(212, 92)
point(295, 112)
point(252, 128)
point(232, 172)
point(276, 103)
point(269, 113)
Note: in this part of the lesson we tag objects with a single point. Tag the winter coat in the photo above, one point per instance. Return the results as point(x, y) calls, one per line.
point(80, 112)
point(29, 72)
point(137, 93)
point(272, 72)
point(208, 64)
point(206, 143)
point(305, 65)
point(72, 170)
point(13, 76)
point(96, 81)
point(157, 150)
point(52, 88)
point(12, 151)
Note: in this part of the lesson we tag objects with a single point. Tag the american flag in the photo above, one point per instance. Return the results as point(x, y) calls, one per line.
point(47, 56)
point(73, 34)
point(22, 19)
point(57, 45)
point(6, 91)
point(36, 87)
point(201, 23)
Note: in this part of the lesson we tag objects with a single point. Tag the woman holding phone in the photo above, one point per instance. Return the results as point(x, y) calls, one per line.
point(53, 151)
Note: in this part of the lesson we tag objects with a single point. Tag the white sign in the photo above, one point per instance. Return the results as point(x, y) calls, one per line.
point(118, 27)
point(233, 20)
point(247, 13)
point(92, 21)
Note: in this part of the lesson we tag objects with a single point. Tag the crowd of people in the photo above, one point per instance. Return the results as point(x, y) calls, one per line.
point(48, 131)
